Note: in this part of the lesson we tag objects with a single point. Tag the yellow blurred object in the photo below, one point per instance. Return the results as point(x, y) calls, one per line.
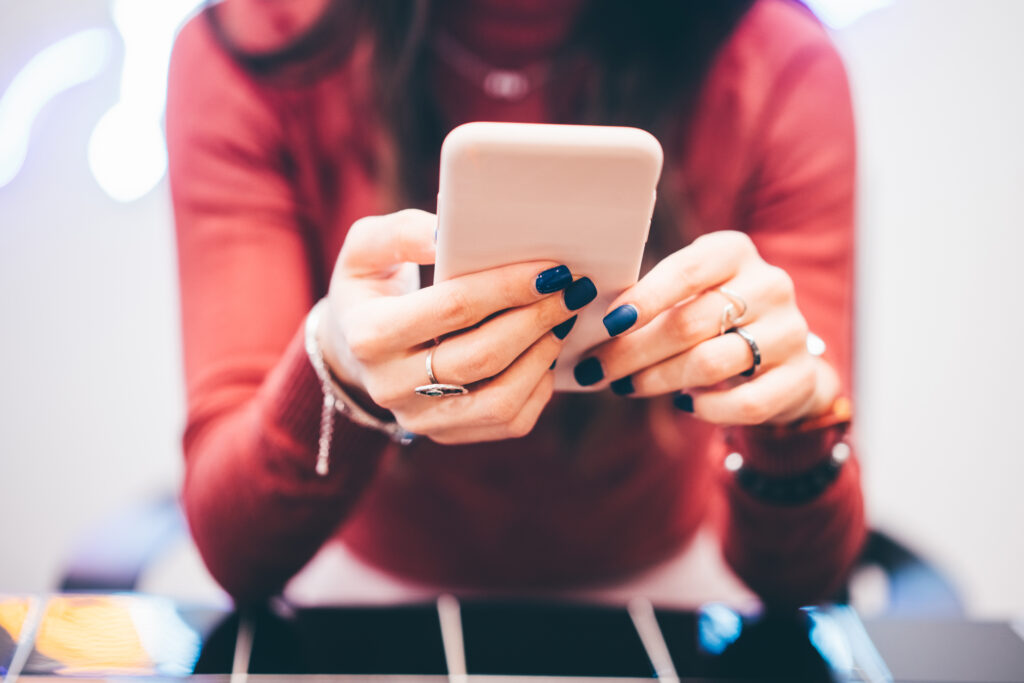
point(12, 615)
point(92, 635)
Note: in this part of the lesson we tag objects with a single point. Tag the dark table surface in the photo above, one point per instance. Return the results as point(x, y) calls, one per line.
point(139, 636)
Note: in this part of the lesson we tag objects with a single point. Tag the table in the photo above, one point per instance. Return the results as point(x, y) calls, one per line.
point(103, 636)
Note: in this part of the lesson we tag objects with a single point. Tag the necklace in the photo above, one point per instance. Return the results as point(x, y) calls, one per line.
point(510, 85)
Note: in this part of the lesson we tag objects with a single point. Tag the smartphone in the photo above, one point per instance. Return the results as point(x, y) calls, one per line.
point(578, 195)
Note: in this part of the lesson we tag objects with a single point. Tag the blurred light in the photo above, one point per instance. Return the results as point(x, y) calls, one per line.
point(173, 645)
point(838, 635)
point(815, 344)
point(127, 152)
point(718, 627)
point(828, 638)
point(842, 13)
point(67, 63)
point(733, 462)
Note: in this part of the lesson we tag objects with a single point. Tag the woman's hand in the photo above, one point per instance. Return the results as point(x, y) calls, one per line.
point(670, 324)
point(496, 328)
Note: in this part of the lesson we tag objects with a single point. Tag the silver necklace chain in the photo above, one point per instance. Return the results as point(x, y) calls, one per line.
point(510, 85)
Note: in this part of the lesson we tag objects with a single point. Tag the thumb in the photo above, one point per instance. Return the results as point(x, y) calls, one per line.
point(378, 245)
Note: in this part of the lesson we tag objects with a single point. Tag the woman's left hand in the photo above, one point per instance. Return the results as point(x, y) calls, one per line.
point(668, 338)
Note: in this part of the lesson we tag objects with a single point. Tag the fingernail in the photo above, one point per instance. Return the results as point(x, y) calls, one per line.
point(553, 364)
point(684, 402)
point(623, 386)
point(588, 372)
point(562, 330)
point(579, 294)
point(621, 319)
point(553, 279)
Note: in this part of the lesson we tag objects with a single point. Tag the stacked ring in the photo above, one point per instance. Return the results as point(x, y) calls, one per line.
point(754, 349)
point(438, 389)
point(730, 316)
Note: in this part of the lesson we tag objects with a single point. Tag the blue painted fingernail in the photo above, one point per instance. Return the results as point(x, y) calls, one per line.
point(623, 386)
point(588, 372)
point(579, 294)
point(553, 279)
point(621, 319)
point(684, 402)
point(553, 364)
point(562, 330)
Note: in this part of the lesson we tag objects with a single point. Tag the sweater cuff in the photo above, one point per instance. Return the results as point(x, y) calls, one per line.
point(298, 400)
point(783, 451)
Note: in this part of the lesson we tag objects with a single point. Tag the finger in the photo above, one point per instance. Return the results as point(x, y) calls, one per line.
point(827, 388)
point(521, 426)
point(489, 349)
point(675, 330)
point(723, 358)
point(375, 245)
point(764, 398)
point(476, 354)
point(709, 261)
point(388, 324)
point(497, 402)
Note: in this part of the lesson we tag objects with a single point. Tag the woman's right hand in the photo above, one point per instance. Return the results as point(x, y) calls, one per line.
point(497, 329)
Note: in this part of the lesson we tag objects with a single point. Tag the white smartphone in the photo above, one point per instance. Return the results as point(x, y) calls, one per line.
point(578, 195)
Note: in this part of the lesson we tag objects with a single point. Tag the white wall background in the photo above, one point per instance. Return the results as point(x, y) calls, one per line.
point(940, 105)
point(90, 392)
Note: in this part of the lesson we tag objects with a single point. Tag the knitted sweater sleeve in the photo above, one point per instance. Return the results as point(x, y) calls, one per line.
point(785, 131)
point(257, 510)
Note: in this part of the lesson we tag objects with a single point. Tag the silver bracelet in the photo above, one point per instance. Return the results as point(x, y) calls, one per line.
point(337, 400)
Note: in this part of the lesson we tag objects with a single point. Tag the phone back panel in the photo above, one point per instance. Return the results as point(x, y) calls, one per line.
point(578, 195)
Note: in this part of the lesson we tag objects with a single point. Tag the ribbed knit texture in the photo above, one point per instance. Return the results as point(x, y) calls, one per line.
point(266, 179)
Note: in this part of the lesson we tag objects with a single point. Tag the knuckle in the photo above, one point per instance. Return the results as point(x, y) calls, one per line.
point(687, 269)
point(780, 284)
point(545, 315)
point(511, 288)
point(520, 427)
point(475, 365)
point(708, 367)
point(385, 395)
point(363, 225)
point(740, 241)
point(363, 341)
point(502, 409)
point(416, 424)
point(405, 215)
point(800, 330)
point(807, 380)
point(681, 323)
point(751, 410)
point(454, 309)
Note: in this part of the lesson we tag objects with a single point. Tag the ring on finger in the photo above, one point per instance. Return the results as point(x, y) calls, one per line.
point(437, 389)
point(754, 349)
point(730, 315)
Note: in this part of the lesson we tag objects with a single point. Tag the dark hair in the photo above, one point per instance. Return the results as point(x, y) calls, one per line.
point(644, 63)
point(647, 60)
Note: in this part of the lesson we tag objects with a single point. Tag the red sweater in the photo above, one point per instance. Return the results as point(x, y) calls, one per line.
point(267, 177)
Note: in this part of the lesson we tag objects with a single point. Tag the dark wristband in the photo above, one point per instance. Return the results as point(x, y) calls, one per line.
point(793, 489)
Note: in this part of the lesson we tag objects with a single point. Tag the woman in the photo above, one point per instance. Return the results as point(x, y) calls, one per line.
point(296, 131)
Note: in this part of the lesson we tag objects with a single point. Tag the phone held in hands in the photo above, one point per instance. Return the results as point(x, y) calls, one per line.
point(578, 195)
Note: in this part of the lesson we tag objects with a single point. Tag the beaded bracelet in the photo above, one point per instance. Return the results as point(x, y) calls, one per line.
point(791, 490)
